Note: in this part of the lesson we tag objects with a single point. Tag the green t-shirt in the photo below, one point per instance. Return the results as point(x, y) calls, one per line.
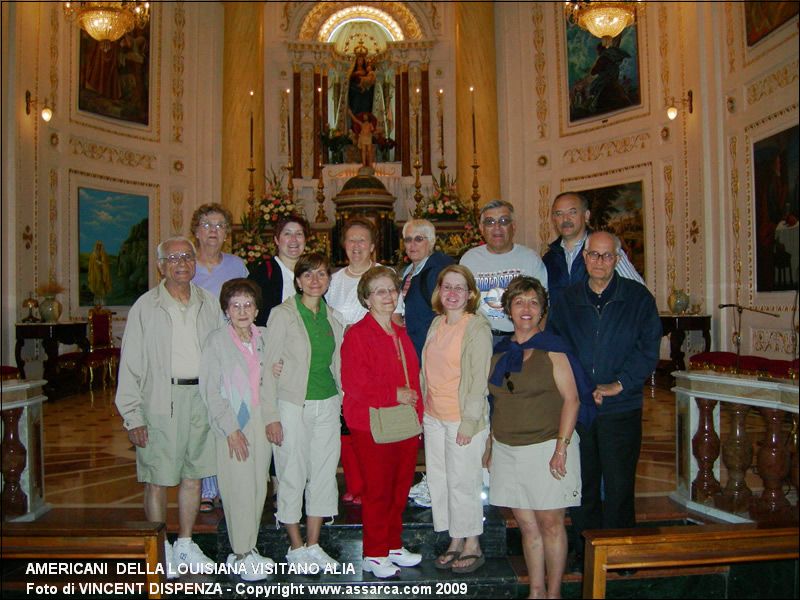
point(321, 384)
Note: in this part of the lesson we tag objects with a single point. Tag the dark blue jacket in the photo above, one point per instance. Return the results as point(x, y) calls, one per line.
point(558, 277)
point(621, 343)
point(419, 314)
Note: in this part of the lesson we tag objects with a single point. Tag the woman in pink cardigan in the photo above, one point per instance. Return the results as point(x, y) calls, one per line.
point(373, 375)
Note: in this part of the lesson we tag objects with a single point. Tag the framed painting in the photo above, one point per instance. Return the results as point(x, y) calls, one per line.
point(601, 80)
point(114, 80)
point(113, 247)
point(775, 185)
point(762, 18)
point(619, 209)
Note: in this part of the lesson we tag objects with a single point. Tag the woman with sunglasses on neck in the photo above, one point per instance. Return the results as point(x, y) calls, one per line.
point(538, 391)
point(455, 368)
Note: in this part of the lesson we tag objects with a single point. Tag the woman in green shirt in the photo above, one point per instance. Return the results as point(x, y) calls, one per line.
point(301, 408)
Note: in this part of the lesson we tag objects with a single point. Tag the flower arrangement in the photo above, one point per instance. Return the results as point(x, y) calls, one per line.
point(50, 289)
point(444, 203)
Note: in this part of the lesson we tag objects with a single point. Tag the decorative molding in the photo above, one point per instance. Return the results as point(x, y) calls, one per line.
point(730, 36)
point(322, 11)
point(307, 121)
point(684, 124)
point(608, 149)
point(778, 79)
point(540, 64)
point(27, 237)
point(694, 231)
point(120, 156)
point(736, 221)
point(663, 50)
point(55, 20)
point(773, 340)
point(544, 217)
point(176, 212)
point(53, 216)
point(775, 39)
point(178, 46)
point(669, 206)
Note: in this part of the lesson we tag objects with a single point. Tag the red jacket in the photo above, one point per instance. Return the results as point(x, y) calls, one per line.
point(371, 371)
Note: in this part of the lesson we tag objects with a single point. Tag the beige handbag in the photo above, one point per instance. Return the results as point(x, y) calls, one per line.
point(396, 423)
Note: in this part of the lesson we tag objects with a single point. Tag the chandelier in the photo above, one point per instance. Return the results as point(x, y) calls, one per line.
point(605, 20)
point(108, 21)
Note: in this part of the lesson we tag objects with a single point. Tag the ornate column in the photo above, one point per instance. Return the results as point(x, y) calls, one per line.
point(405, 132)
point(243, 71)
point(737, 454)
point(773, 467)
point(476, 66)
point(705, 448)
point(425, 92)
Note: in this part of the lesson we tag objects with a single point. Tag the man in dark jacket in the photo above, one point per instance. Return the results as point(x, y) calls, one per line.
point(564, 261)
point(614, 328)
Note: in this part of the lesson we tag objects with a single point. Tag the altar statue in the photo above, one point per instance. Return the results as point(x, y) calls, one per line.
point(361, 86)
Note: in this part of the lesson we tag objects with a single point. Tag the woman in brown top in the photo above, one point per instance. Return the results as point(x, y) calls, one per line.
point(534, 469)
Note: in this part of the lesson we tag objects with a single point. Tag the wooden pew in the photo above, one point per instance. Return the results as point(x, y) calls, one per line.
point(680, 546)
point(134, 540)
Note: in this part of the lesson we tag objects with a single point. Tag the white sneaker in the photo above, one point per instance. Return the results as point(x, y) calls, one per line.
point(186, 552)
point(172, 572)
point(315, 554)
point(248, 568)
point(404, 558)
point(298, 556)
point(380, 566)
point(268, 563)
point(421, 488)
point(423, 501)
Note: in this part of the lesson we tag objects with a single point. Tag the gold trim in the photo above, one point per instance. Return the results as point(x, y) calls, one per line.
point(748, 131)
point(736, 221)
point(544, 217)
point(53, 216)
point(540, 64)
point(773, 340)
point(779, 78)
point(176, 212)
point(687, 257)
point(779, 37)
point(178, 46)
point(669, 207)
point(730, 35)
point(112, 154)
point(638, 141)
point(320, 12)
point(55, 20)
point(663, 50)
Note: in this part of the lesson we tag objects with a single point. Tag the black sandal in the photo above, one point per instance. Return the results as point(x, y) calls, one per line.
point(447, 564)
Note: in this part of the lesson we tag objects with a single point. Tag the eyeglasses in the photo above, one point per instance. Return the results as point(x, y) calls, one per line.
point(417, 238)
point(502, 221)
point(605, 257)
point(218, 226)
point(246, 307)
point(458, 289)
point(174, 259)
point(385, 292)
point(509, 383)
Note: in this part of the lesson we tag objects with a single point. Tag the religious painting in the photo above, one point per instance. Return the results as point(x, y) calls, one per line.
point(777, 239)
point(601, 80)
point(620, 210)
point(114, 79)
point(762, 18)
point(112, 247)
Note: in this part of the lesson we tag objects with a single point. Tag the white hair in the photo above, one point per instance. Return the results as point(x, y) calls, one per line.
point(617, 242)
point(424, 227)
point(161, 250)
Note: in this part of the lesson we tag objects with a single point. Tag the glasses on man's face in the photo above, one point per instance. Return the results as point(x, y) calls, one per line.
point(174, 259)
point(606, 257)
point(458, 289)
point(509, 383)
point(502, 221)
point(385, 292)
point(241, 306)
point(416, 239)
point(207, 226)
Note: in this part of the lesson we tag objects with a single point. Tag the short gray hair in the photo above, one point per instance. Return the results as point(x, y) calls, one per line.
point(497, 204)
point(161, 250)
point(617, 242)
point(581, 198)
point(425, 227)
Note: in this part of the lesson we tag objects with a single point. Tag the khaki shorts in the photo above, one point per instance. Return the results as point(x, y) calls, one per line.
point(179, 446)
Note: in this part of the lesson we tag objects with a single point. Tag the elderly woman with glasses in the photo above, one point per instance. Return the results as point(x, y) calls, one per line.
point(539, 391)
point(380, 370)
point(301, 408)
point(230, 372)
point(419, 279)
point(455, 364)
point(210, 226)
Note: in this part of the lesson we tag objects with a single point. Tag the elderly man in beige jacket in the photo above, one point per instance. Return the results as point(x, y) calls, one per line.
point(159, 400)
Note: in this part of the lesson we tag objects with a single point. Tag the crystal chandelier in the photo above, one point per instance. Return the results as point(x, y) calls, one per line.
point(605, 20)
point(108, 21)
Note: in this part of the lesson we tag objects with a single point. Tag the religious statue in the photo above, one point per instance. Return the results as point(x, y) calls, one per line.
point(99, 280)
point(361, 83)
point(365, 130)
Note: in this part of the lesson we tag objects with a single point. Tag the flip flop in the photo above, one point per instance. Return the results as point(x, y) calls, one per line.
point(478, 560)
point(206, 505)
point(446, 566)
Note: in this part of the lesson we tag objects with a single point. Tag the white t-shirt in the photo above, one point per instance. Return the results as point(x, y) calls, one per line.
point(493, 273)
point(343, 296)
point(288, 280)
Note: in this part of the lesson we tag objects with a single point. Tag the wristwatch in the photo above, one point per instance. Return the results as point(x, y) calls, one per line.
point(566, 440)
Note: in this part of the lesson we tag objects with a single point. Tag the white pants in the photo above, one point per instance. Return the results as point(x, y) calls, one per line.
point(455, 478)
point(307, 459)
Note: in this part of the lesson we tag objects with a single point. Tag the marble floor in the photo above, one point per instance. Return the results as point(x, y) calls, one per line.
point(89, 461)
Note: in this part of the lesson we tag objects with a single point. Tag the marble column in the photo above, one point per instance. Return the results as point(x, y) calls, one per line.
point(476, 66)
point(243, 71)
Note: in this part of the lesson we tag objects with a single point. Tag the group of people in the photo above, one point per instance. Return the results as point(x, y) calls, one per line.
point(532, 368)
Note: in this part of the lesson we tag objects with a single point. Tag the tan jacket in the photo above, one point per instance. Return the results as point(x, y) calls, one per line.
point(473, 388)
point(287, 340)
point(145, 368)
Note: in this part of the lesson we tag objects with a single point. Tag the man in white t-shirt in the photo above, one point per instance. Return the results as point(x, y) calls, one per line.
point(499, 261)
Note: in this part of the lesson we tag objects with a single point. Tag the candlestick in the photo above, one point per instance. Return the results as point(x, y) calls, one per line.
point(288, 124)
point(472, 96)
point(441, 122)
point(251, 136)
point(416, 113)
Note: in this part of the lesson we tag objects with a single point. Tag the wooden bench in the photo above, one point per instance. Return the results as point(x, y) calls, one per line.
point(137, 540)
point(681, 546)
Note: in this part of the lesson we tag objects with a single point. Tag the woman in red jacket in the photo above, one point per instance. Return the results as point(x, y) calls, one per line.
point(374, 375)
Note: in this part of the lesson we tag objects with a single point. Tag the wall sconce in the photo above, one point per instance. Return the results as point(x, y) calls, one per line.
point(672, 110)
point(47, 112)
